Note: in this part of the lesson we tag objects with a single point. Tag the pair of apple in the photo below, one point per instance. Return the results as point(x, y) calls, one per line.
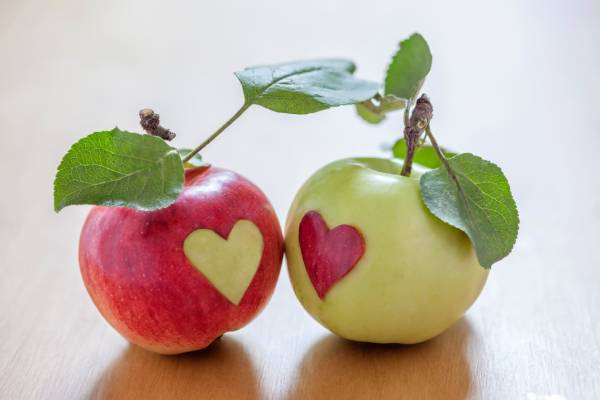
point(365, 257)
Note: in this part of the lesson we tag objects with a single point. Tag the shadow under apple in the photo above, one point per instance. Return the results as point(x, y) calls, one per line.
point(221, 371)
point(335, 368)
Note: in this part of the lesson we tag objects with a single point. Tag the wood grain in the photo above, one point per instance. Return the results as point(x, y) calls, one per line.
point(515, 82)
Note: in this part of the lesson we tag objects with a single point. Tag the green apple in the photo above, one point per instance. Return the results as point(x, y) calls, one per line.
point(384, 269)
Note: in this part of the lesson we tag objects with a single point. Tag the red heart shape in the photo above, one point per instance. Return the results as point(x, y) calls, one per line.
point(328, 254)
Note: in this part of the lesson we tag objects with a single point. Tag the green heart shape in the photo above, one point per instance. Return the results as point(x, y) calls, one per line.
point(229, 264)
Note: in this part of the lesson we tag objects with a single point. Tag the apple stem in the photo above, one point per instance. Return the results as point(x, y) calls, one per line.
point(414, 126)
point(216, 133)
point(150, 121)
point(408, 159)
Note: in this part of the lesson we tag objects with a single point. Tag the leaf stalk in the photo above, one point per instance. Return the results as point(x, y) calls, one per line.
point(440, 154)
point(216, 133)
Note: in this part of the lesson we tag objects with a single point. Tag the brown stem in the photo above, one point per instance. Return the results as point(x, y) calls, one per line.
point(414, 128)
point(410, 154)
point(150, 121)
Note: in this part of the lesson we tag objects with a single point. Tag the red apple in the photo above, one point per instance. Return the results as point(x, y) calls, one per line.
point(175, 279)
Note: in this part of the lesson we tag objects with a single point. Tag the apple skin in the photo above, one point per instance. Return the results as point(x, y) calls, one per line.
point(417, 275)
point(134, 268)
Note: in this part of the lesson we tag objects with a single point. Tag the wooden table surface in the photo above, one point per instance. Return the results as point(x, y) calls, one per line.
point(516, 82)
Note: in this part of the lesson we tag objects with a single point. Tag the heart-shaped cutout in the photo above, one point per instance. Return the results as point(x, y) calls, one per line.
point(328, 255)
point(229, 264)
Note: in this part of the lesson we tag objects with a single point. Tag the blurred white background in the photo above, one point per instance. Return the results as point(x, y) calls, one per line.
point(516, 82)
point(75, 67)
point(507, 76)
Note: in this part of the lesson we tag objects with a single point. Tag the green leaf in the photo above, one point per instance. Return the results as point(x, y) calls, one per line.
point(391, 103)
point(118, 168)
point(425, 155)
point(409, 67)
point(304, 87)
point(479, 203)
point(195, 161)
point(374, 113)
point(369, 115)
